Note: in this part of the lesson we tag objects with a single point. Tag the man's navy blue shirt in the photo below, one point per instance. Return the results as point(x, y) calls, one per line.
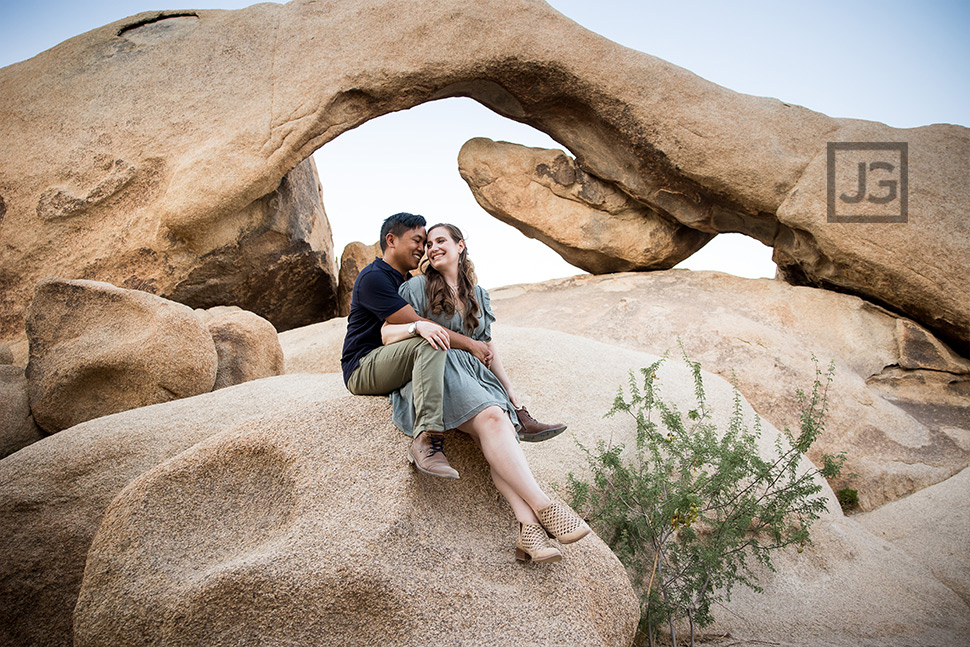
point(373, 300)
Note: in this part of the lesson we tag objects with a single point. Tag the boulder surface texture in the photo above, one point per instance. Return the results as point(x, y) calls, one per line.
point(276, 259)
point(899, 403)
point(315, 348)
point(17, 426)
point(96, 349)
point(294, 457)
point(54, 494)
point(248, 347)
point(261, 88)
point(315, 529)
point(263, 536)
point(590, 223)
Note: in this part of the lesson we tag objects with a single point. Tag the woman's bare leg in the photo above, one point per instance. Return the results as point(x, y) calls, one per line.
point(523, 513)
point(494, 433)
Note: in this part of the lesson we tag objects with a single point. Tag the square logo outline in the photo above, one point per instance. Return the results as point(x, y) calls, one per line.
point(901, 147)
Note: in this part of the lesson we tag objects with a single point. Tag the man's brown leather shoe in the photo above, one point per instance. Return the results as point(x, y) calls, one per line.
point(427, 452)
point(534, 431)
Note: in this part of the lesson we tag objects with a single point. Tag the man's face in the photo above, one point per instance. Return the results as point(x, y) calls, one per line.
point(408, 248)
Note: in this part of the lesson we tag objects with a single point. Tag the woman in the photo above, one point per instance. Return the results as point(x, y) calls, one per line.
point(476, 397)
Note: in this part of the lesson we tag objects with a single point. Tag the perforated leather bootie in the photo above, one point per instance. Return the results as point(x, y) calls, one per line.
point(533, 544)
point(562, 523)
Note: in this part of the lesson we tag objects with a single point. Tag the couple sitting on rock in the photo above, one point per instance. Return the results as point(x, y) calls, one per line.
point(427, 342)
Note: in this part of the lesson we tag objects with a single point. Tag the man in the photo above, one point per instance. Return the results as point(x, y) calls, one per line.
point(371, 368)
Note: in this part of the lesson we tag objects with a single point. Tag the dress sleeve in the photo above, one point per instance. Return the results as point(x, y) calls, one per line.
point(412, 291)
point(487, 315)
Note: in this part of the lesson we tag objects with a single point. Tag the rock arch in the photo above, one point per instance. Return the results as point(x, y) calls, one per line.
point(210, 111)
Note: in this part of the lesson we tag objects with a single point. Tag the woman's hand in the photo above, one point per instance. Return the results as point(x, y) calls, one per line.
point(436, 335)
point(481, 351)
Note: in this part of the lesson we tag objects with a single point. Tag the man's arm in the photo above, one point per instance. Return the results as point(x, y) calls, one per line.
point(406, 315)
point(436, 335)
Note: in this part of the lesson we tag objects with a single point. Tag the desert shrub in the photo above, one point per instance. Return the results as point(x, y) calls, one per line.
point(848, 499)
point(692, 510)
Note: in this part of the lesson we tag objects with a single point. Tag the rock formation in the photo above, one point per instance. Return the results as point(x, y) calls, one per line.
point(590, 223)
point(329, 539)
point(180, 170)
point(277, 261)
point(931, 525)
point(55, 493)
point(280, 444)
point(274, 256)
point(174, 192)
point(96, 349)
point(17, 426)
point(900, 400)
point(247, 345)
point(355, 257)
point(314, 349)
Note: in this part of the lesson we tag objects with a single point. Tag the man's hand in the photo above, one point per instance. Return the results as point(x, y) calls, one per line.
point(436, 335)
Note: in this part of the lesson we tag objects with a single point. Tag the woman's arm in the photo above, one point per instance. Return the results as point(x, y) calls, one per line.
point(406, 315)
point(479, 349)
point(499, 370)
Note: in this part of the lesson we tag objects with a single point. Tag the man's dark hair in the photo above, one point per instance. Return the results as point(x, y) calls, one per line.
point(398, 224)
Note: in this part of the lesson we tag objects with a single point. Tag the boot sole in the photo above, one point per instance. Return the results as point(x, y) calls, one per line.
point(424, 471)
point(523, 556)
point(542, 435)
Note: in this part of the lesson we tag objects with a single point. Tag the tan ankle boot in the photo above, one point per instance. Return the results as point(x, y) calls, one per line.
point(562, 523)
point(533, 544)
point(427, 452)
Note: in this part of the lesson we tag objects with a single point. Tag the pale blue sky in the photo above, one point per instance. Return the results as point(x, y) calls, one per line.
point(901, 63)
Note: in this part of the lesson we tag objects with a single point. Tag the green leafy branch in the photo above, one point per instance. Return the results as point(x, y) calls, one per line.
point(692, 510)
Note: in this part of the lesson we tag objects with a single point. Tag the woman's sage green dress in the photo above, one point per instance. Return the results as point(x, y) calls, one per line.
point(469, 386)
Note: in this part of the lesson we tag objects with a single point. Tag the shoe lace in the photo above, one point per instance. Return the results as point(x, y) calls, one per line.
point(437, 444)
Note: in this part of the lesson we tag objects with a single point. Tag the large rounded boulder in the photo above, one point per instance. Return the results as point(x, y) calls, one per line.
point(17, 426)
point(248, 347)
point(53, 493)
point(96, 349)
point(309, 526)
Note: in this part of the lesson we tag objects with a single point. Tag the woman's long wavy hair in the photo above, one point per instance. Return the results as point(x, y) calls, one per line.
point(440, 297)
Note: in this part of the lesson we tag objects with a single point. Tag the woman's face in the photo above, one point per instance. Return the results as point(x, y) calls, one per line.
point(443, 252)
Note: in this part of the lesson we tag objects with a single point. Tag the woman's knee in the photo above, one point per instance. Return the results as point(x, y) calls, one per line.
point(492, 420)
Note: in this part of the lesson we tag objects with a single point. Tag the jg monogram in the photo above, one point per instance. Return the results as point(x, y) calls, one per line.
point(850, 196)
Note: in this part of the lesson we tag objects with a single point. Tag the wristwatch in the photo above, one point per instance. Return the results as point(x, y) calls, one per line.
point(413, 328)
